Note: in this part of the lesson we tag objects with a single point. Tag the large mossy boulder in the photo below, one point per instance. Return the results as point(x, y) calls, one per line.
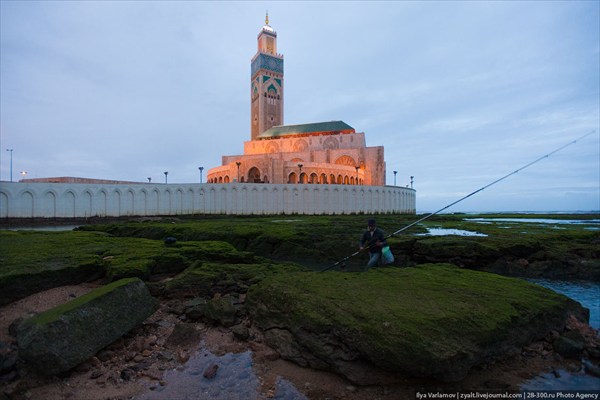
point(31, 262)
point(209, 278)
point(59, 339)
point(435, 320)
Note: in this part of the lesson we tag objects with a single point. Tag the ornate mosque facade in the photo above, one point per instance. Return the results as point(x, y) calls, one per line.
point(317, 153)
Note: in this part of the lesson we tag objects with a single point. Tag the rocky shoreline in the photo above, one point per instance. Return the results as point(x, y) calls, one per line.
point(137, 363)
point(382, 334)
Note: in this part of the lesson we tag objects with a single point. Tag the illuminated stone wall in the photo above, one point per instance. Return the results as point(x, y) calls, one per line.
point(63, 200)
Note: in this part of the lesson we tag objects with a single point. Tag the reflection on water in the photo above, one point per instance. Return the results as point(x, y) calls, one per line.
point(538, 220)
point(234, 379)
point(49, 228)
point(565, 381)
point(445, 232)
point(585, 293)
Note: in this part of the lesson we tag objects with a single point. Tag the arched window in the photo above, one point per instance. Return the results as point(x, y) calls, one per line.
point(293, 178)
point(323, 178)
point(314, 178)
point(226, 180)
point(346, 160)
point(254, 175)
point(303, 177)
point(340, 180)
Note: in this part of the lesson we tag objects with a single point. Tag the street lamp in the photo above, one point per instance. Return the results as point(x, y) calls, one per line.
point(411, 182)
point(201, 169)
point(11, 150)
point(149, 180)
point(395, 172)
point(23, 174)
point(238, 165)
point(300, 176)
point(166, 173)
point(357, 168)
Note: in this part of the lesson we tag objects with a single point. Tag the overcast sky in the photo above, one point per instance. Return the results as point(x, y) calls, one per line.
point(459, 93)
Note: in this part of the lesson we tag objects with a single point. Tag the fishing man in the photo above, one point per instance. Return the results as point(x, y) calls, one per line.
point(374, 239)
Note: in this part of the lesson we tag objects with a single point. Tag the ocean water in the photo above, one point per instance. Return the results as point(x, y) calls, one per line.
point(588, 295)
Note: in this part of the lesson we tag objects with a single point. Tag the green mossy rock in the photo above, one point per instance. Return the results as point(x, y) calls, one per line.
point(59, 339)
point(510, 248)
point(207, 279)
point(221, 310)
point(31, 262)
point(435, 320)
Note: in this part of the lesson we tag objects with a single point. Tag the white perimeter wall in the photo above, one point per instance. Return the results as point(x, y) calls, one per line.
point(72, 200)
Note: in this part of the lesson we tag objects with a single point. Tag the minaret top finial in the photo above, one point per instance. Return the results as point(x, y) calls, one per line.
point(267, 19)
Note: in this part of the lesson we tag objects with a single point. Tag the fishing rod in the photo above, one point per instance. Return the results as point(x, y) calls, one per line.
point(343, 260)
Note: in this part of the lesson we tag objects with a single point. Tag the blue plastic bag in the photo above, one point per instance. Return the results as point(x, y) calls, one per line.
point(386, 255)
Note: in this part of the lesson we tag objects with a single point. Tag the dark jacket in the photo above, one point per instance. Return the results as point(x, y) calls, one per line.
point(369, 241)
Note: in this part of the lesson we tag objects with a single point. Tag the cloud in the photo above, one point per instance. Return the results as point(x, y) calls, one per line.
point(459, 93)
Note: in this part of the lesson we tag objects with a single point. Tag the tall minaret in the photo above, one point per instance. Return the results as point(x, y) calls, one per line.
point(266, 88)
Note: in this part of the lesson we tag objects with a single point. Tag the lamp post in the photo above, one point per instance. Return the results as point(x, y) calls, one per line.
point(201, 169)
point(149, 180)
point(11, 150)
point(24, 174)
point(300, 176)
point(357, 168)
point(411, 182)
point(238, 165)
point(166, 173)
point(395, 172)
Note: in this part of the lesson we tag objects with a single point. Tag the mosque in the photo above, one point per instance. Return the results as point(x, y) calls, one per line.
point(318, 153)
point(345, 175)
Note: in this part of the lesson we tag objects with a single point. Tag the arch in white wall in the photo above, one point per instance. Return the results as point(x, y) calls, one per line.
point(26, 200)
point(4, 204)
point(102, 207)
point(69, 204)
point(87, 203)
point(179, 206)
point(49, 199)
point(222, 204)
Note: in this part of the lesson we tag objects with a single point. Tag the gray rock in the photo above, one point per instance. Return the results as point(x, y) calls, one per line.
point(184, 335)
point(211, 371)
point(8, 358)
point(568, 348)
point(240, 332)
point(61, 338)
point(221, 310)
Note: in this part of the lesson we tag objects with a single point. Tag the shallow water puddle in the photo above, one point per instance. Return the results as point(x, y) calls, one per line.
point(563, 380)
point(594, 223)
point(234, 379)
point(446, 232)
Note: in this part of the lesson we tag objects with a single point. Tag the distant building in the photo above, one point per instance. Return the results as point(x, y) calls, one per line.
point(319, 153)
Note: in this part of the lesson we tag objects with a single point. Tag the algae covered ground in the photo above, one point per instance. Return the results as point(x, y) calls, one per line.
point(434, 319)
point(31, 261)
point(440, 309)
point(565, 251)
